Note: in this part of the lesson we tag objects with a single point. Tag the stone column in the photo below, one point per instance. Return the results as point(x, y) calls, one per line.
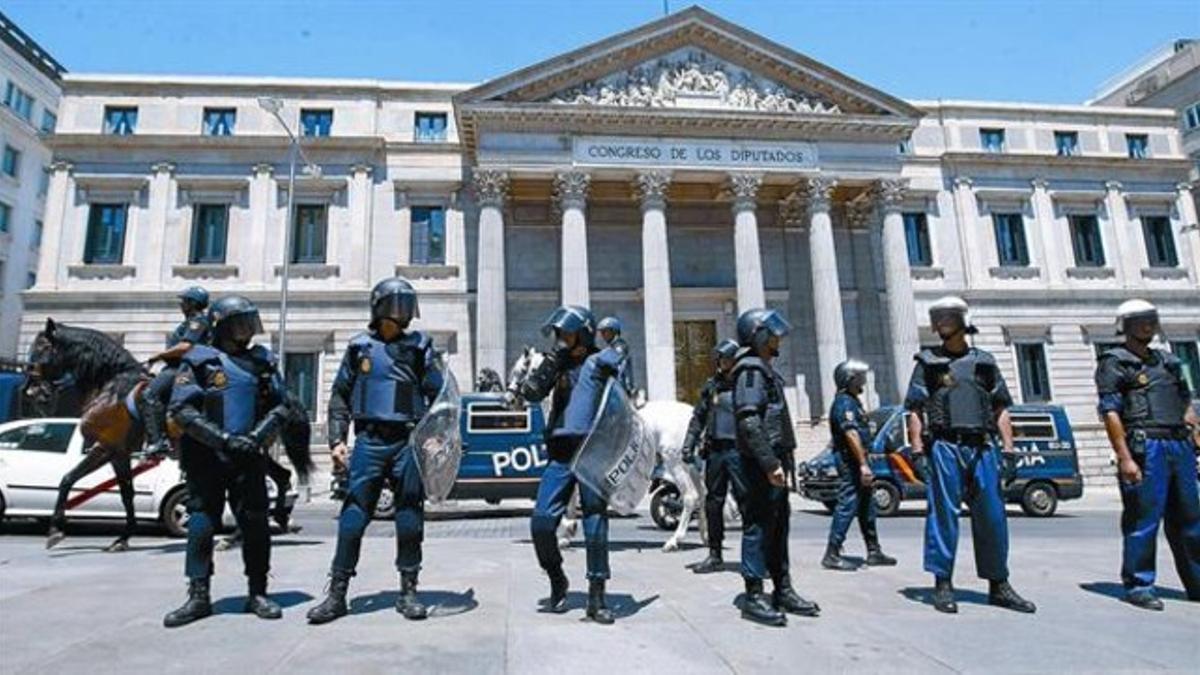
point(651, 190)
point(1043, 213)
point(147, 242)
point(827, 292)
point(748, 257)
point(1185, 206)
point(570, 194)
point(491, 301)
point(59, 208)
point(902, 311)
point(356, 262)
point(1124, 258)
point(456, 238)
point(260, 248)
point(970, 233)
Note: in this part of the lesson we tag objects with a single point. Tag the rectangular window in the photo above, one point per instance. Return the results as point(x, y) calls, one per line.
point(1035, 376)
point(30, 280)
point(12, 161)
point(209, 232)
point(1010, 239)
point(1139, 145)
point(1066, 143)
point(38, 226)
point(1034, 427)
point(316, 122)
point(5, 216)
point(1160, 241)
point(428, 235)
point(106, 235)
point(308, 239)
point(219, 121)
point(1, 277)
point(493, 418)
point(431, 127)
point(20, 101)
point(44, 181)
point(1189, 354)
point(300, 376)
point(916, 236)
point(1085, 240)
point(991, 140)
point(49, 122)
point(1191, 117)
point(120, 120)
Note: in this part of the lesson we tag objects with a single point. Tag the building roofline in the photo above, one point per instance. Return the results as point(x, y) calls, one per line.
point(1138, 69)
point(245, 81)
point(1063, 108)
point(29, 49)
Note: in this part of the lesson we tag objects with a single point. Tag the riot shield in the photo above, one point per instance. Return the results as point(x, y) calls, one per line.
point(617, 458)
point(437, 441)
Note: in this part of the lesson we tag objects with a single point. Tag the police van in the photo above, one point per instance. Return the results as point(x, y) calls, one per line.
point(1042, 470)
point(12, 380)
point(504, 453)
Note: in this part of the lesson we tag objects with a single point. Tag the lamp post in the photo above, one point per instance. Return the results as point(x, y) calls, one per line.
point(274, 106)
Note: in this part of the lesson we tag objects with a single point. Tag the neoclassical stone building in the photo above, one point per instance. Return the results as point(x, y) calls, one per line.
point(670, 175)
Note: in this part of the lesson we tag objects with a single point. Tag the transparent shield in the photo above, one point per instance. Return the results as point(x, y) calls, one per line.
point(437, 441)
point(617, 458)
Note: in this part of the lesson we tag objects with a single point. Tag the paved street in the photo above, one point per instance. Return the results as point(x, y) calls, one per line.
point(78, 609)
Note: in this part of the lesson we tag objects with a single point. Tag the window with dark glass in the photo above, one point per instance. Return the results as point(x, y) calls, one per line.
point(308, 239)
point(38, 226)
point(49, 122)
point(1160, 241)
point(1139, 145)
point(430, 127)
point(916, 237)
point(19, 100)
point(316, 122)
point(428, 235)
point(52, 437)
point(1086, 242)
point(5, 216)
point(210, 229)
point(30, 280)
point(1011, 248)
point(1066, 143)
point(991, 140)
point(219, 121)
point(1189, 354)
point(105, 243)
point(12, 161)
point(120, 120)
point(1035, 376)
point(1191, 116)
point(44, 181)
point(300, 376)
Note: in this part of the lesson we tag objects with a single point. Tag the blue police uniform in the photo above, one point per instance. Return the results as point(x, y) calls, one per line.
point(575, 389)
point(385, 388)
point(195, 330)
point(232, 394)
point(853, 498)
point(713, 419)
point(625, 367)
point(960, 394)
point(1152, 397)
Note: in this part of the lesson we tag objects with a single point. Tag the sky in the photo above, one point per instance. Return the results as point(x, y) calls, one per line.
point(1054, 51)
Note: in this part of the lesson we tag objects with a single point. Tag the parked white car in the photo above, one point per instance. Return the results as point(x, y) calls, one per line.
point(36, 453)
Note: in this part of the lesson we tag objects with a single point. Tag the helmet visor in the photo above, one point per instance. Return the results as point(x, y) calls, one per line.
point(776, 324)
point(564, 319)
point(399, 307)
point(241, 327)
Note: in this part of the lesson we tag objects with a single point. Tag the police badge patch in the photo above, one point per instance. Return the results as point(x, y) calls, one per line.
point(218, 379)
point(1143, 379)
point(849, 415)
point(365, 366)
point(184, 378)
point(194, 325)
point(948, 380)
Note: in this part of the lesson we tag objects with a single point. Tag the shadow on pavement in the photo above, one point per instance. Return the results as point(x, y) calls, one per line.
point(725, 567)
point(236, 604)
point(440, 603)
point(924, 595)
point(1116, 591)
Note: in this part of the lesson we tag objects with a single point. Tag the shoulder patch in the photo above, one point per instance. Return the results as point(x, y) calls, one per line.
point(184, 377)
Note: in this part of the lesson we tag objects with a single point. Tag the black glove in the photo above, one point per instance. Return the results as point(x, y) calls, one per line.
point(241, 444)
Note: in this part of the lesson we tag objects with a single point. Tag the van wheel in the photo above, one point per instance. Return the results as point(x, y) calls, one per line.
point(665, 507)
point(1039, 500)
point(386, 506)
point(173, 513)
point(887, 498)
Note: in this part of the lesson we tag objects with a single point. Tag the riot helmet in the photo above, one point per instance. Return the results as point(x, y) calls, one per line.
point(396, 299)
point(572, 319)
point(1135, 310)
point(951, 306)
point(756, 326)
point(850, 373)
point(235, 319)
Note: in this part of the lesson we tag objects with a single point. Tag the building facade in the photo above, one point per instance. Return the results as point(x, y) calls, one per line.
point(28, 111)
point(671, 175)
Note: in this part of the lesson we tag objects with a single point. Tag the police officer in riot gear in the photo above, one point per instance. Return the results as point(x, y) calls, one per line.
point(713, 419)
point(228, 400)
point(958, 399)
point(609, 329)
point(574, 375)
point(850, 437)
point(388, 378)
point(1145, 406)
point(765, 442)
point(193, 330)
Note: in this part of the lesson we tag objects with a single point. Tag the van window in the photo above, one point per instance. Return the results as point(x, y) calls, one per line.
point(495, 418)
point(38, 438)
point(1034, 427)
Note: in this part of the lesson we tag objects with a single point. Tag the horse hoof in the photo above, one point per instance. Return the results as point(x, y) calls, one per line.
point(564, 543)
point(54, 538)
point(225, 545)
point(671, 546)
point(118, 546)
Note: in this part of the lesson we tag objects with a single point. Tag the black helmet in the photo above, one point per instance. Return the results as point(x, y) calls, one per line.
point(725, 349)
point(609, 323)
point(755, 326)
point(394, 299)
point(572, 319)
point(235, 318)
point(847, 372)
point(195, 295)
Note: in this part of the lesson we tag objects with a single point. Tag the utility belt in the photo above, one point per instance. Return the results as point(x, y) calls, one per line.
point(1136, 438)
point(384, 432)
point(973, 439)
point(721, 445)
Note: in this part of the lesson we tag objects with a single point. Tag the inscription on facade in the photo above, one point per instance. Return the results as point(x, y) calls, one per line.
point(688, 153)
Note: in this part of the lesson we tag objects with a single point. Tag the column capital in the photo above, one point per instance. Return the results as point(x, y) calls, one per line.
point(793, 209)
point(362, 168)
point(491, 187)
point(263, 168)
point(743, 187)
point(1184, 188)
point(1113, 186)
point(162, 167)
point(1040, 184)
point(889, 193)
point(819, 191)
point(963, 182)
point(571, 189)
point(650, 188)
point(62, 165)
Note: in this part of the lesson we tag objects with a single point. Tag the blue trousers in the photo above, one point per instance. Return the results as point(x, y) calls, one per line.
point(1168, 494)
point(371, 463)
point(718, 467)
point(210, 480)
point(853, 501)
point(958, 473)
point(766, 521)
point(554, 493)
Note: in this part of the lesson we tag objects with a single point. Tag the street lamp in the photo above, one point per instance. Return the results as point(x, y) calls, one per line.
point(274, 106)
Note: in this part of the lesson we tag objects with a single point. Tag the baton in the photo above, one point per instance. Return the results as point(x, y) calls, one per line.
point(141, 468)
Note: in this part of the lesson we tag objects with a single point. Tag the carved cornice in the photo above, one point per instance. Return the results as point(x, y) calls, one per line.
point(743, 187)
point(650, 188)
point(819, 191)
point(491, 187)
point(571, 189)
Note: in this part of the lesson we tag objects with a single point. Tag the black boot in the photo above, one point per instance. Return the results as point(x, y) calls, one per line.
point(153, 415)
point(197, 606)
point(557, 604)
point(877, 558)
point(943, 596)
point(757, 607)
point(833, 560)
point(786, 599)
point(597, 610)
point(334, 605)
point(1144, 598)
point(408, 604)
point(1001, 594)
point(57, 533)
point(713, 563)
point(259, 604)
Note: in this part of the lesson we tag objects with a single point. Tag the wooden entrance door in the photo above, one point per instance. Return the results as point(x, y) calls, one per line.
point(694, 342)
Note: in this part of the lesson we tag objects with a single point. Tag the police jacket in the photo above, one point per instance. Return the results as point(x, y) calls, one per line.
point(712, 417)
point(764, 425)
point(625, 366)
point(847, 415)
point(957, 392)
point(1147, 393)
point(575, 387)
point(217, 395)
point(195, 329)
point(381, 382)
